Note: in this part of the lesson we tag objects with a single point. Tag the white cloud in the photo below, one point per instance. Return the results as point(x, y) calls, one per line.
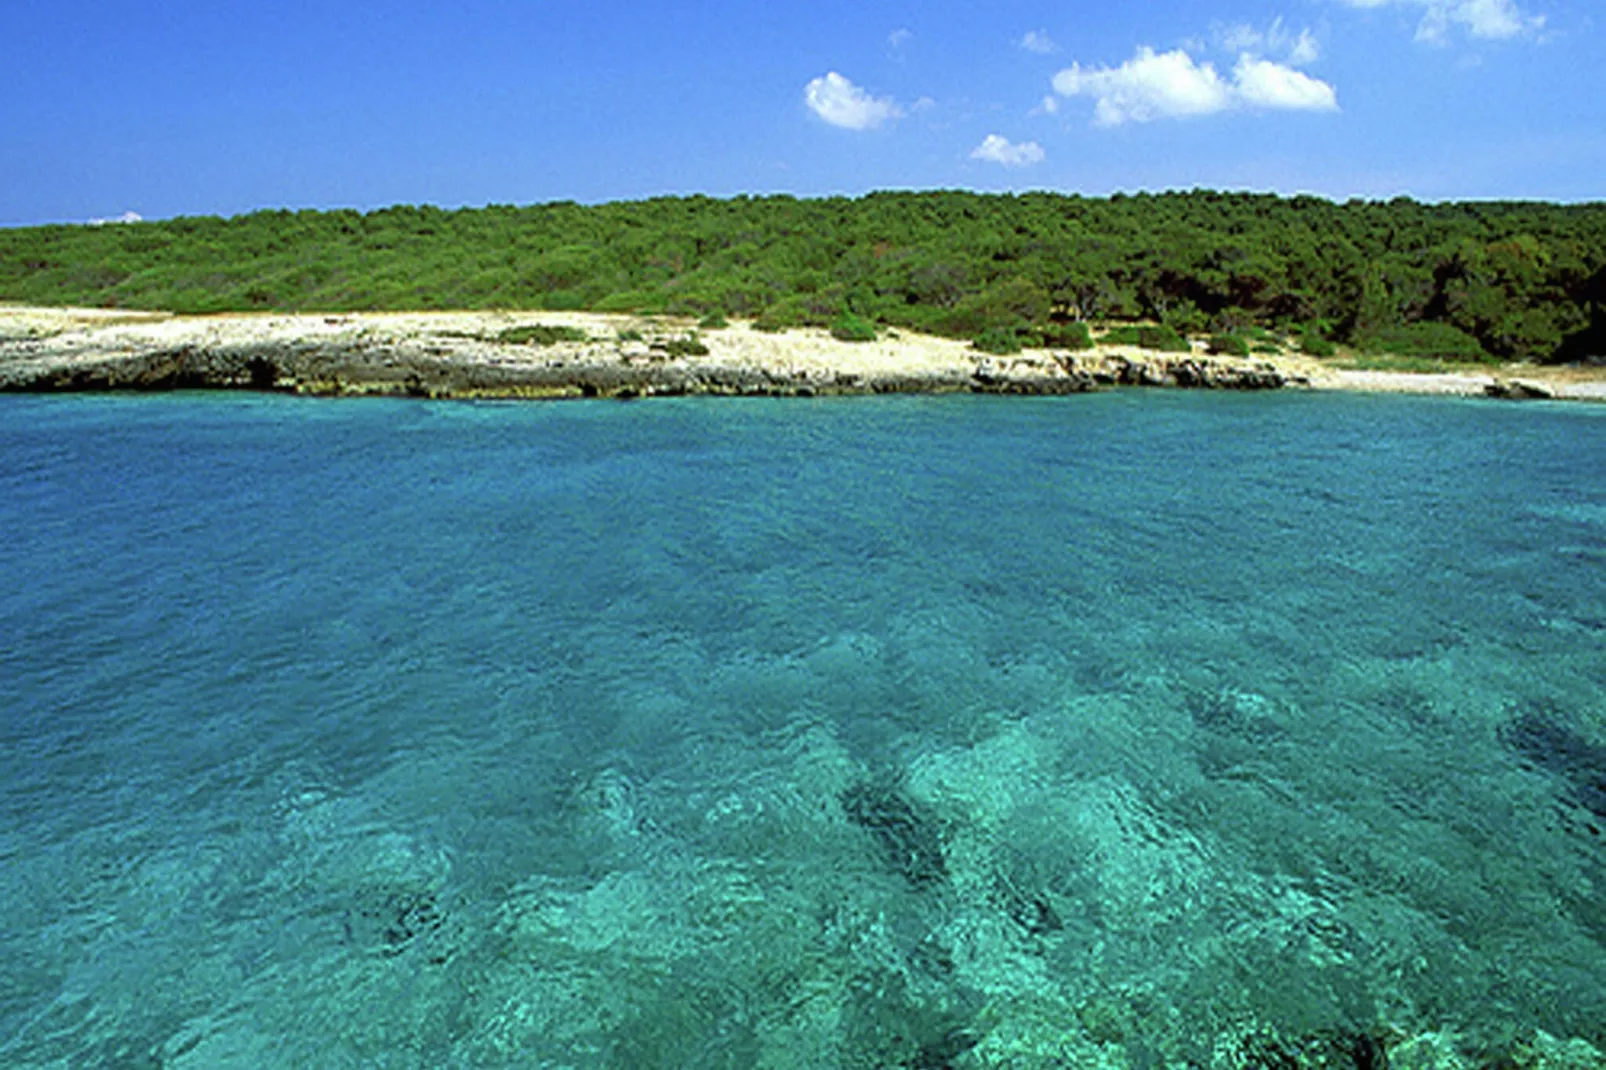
point(923, 104)
point(1148, 86)
point(841, 103)
point(1001, 150)
point(126, 217)
point(1304, 50)
point(1039, 42)
point(1242, 38)
point(1171, 85)
point(1492, 20)
point(900, 37)
point(1049, 106)
point(1263, 84)
point(1277, 40)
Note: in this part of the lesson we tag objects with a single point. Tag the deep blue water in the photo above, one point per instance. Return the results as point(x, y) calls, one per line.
point(1123, 729)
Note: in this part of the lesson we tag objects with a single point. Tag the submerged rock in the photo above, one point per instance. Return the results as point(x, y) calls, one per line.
point(1541, 737)
point(1336, 1049)
point(390, 921)
point(908, 839)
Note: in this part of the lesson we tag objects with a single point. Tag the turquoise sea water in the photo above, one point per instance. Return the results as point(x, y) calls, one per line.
point(1125, 730)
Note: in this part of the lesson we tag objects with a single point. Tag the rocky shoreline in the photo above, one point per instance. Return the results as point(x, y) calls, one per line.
point(563, 355)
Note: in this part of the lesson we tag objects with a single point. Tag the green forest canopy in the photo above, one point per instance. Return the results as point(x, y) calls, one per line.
point(1504, 281)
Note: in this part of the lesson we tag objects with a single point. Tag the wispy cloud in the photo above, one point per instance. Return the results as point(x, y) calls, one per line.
point(1040, 42)
point(1491, 20)
point(1277, 40)
point(998, 149)
point(841, 103)
point(900, 37)
point(1172, 85)
point(1304, 50)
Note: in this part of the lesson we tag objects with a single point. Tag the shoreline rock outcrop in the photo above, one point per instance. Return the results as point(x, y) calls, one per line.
point(481, 355)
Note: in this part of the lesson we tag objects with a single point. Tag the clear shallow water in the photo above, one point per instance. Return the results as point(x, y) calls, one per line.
point(1122, 730)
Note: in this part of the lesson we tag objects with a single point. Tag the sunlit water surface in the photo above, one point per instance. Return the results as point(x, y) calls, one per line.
point(1124, 730)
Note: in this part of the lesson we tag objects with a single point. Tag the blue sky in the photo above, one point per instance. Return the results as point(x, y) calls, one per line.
point(185, 108)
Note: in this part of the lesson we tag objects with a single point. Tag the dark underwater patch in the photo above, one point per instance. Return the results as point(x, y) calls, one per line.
point(1543, 740)
point(908, 839)
point(390, 922)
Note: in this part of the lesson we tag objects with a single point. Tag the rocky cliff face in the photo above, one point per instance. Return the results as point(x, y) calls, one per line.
point(474, 355)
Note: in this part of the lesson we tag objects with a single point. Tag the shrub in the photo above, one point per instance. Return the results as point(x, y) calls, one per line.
point(1229, 345)
point(629, 334)
point(999, 340)
point(1185, 317)
point(714, 321)
point(1068, 335)
point(768, 324)
point(1432, 339)
point(852, 328)
point(688, 346)
point(540, 334)
point(1121, 336)
point(1314, 345)
point(1164, 338)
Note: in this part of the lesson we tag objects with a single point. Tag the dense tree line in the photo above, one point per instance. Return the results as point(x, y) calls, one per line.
point(1469, 280)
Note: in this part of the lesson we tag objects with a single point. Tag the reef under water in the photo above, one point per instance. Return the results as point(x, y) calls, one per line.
point(1118, 731)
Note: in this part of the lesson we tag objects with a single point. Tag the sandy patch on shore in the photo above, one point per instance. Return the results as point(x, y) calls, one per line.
point(469, 338)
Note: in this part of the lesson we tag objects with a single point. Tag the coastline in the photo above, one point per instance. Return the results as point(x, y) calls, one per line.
point(472, 355)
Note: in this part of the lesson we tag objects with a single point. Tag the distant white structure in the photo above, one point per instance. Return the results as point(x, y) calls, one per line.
point(126, 217)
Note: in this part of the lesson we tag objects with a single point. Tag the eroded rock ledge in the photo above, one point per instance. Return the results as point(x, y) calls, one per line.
point(471, 355)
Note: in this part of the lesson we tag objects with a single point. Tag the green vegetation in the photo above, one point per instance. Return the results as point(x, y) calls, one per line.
point(1385, 362)
point(1000, 340)
point(688, 346)
point(1229, 345)
point(1075, 335)
point(1163, 338)
point(1314, 345)
point(1432, 341)
point(714, 321)
point(540, 334)
point(851, 328)
point(1520, 280)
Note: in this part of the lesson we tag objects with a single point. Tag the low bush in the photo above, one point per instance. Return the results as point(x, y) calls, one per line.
point(1121, 336)
point(688, 346)
point(852, 328)
point(1068, 336)
point(714, 321)
point(1000, 340)
point(1163, 338)
point(1314, 345)
point(1229, 345)
point(1430, 339)
point(540, 334)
